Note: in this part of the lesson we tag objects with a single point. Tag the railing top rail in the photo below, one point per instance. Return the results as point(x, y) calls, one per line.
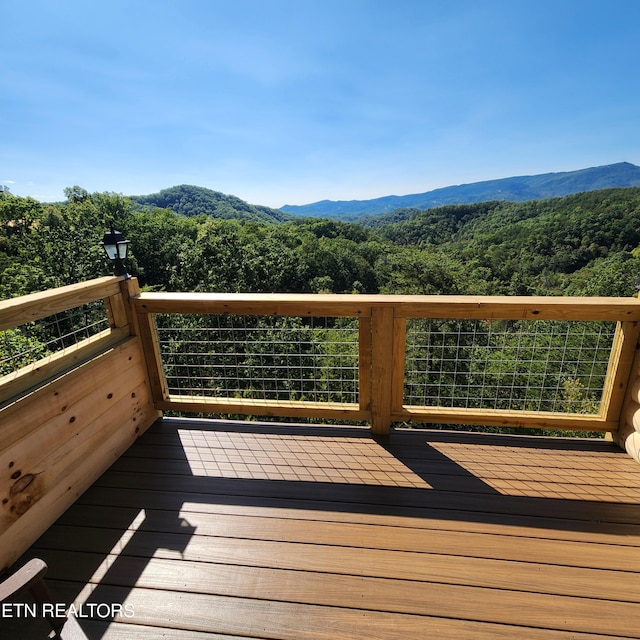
point(304, 304)
point(437, 306)
point(23, 309)
point(523, 307)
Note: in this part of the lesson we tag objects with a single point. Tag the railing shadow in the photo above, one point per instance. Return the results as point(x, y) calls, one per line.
point(138, 507)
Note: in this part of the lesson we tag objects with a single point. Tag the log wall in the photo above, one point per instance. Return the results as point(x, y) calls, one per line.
point(628, 434)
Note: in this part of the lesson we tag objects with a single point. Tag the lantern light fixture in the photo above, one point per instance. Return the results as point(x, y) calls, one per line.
point(116, 246)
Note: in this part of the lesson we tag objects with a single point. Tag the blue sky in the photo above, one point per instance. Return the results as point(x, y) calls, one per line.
point(293, 101)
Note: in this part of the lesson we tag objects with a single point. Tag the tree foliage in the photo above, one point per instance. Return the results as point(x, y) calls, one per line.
point(586, 244)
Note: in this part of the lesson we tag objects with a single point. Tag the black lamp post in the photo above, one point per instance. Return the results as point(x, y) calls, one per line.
point(116, 247)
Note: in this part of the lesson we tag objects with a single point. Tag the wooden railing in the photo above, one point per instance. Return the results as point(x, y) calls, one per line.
point(380, 357)
point(382, 330)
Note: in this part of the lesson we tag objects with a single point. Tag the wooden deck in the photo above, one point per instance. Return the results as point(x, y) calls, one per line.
point(214, 530)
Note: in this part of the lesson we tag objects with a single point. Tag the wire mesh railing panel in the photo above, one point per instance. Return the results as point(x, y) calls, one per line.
point(33, 341)
point(527, 365)
point(260, 357)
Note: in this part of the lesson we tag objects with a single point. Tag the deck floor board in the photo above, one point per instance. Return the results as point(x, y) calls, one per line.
point(215, 530)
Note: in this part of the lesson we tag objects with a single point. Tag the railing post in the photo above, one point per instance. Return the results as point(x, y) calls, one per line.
point(381, 368)
point(119, 310)
point(623, 351)
point(143, 325)
point(399, 352)
point(364, 364)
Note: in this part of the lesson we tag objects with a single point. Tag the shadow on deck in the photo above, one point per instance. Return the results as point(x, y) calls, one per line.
point(211, 529)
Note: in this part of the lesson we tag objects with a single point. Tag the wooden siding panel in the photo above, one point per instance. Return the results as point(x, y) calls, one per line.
point(37, 374)
point(55, 447)
point(28, 412)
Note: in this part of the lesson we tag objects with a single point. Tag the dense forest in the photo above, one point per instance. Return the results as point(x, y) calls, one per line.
point(584, 244)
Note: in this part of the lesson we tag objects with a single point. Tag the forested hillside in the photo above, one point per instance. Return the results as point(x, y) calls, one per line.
point(190, 201)
point(586, 244)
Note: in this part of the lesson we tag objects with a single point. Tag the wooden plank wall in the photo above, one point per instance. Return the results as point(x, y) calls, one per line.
point(57, 439)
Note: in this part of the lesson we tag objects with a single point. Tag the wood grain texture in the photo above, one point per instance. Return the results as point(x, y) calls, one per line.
point(259, 407)
point(17, 311)
point(506, 418)
point(489, 307)
point(181, 531)
point(57, 440)
point(26, 413)
point(146, 329)
point(40, 372)
point(382, 368)
point(620, 370)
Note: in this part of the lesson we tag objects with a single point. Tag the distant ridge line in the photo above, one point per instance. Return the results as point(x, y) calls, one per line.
point(515, 189)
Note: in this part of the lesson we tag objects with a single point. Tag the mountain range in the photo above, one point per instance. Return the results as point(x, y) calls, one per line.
point(514, 189)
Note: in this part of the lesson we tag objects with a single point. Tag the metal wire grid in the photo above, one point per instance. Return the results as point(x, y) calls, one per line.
point(260, 357)
point(30, 342)
point(533, 365)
